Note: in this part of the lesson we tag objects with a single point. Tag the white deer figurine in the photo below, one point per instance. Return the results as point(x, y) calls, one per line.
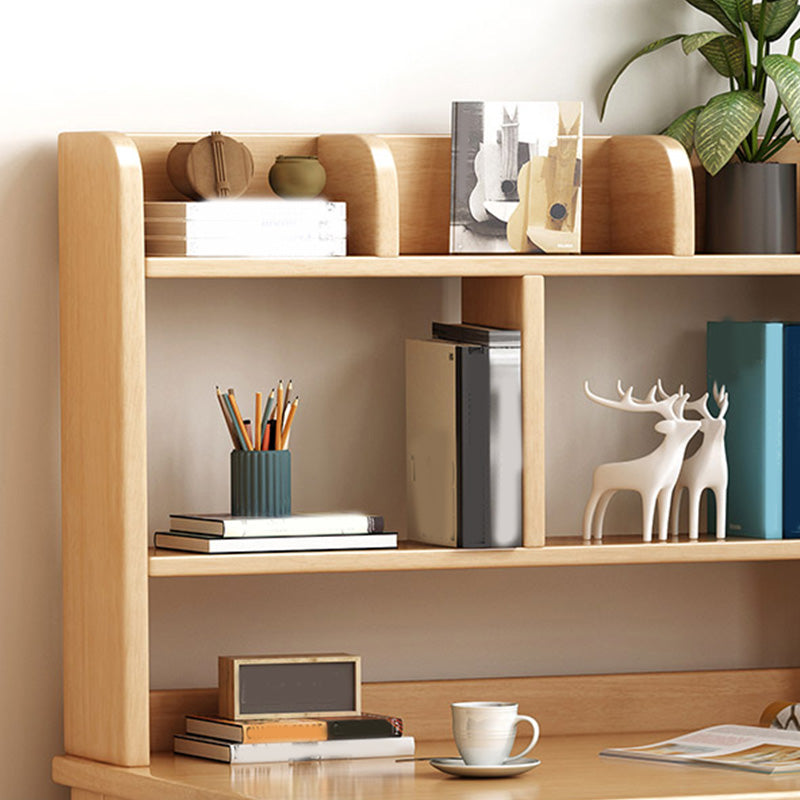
point(653, 476)
point(707, 468)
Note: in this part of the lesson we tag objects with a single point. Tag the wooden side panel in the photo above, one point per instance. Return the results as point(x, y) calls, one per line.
point(362, 172)
point(564, 705)
point(103, 449)
point(423, 167)
point(519, 303)
point(651, 195)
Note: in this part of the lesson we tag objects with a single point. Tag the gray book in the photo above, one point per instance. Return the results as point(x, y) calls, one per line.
point(505, 425)
point(475, 334)
point(447, 416)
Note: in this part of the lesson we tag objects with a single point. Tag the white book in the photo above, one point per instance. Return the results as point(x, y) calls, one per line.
point(267, 229)
point(294, 525)
point(205, 543)
point(246, 209)
point(233, 248)
point(263, 752)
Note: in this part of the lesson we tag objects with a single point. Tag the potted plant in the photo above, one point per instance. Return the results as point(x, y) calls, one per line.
point(738, 130)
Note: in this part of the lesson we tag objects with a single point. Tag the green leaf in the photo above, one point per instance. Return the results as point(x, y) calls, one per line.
point(726, 55)
point(718, 12)
point(683, 127)
point(730, 8)
point(746, 10)
point(694, 41)
point(649, 48)
point(723, 124)
point(778, 16)
point(785, 72)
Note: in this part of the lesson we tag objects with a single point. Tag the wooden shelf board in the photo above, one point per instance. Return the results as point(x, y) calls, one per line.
point(570, 769)
point(559, 551)
point(471, 266)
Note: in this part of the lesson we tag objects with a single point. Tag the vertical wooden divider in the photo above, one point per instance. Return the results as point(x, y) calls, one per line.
point(103, 449)
point(519, 303)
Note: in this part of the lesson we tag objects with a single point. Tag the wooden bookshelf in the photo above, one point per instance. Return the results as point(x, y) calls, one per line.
point(397, 191)
point(473, 266)
point(559, 551)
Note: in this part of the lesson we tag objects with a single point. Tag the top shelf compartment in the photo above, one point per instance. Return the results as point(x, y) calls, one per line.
point(638, 197)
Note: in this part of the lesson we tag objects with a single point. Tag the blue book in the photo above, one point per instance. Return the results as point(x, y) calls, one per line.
point(791, 431)
point(747, 358)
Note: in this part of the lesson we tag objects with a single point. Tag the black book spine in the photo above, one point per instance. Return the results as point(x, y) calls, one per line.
point(472, 425)
point(361, 728)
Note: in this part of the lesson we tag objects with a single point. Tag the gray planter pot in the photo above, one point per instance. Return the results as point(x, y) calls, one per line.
point(752, 208)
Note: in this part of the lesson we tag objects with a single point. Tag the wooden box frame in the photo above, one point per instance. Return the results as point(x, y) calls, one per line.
point(230, 684)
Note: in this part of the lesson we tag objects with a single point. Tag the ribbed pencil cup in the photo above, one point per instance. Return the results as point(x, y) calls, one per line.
point(261, 483)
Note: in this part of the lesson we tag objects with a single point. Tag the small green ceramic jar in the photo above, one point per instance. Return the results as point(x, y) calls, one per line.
point(297, 176)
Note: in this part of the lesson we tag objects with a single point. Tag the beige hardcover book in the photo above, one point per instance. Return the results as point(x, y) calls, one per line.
point(431, 442)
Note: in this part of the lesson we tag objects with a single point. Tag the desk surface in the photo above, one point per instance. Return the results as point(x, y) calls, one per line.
point(570, 770)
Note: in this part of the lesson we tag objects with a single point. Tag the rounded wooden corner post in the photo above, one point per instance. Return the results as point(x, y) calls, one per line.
point(361, 172)
point(651, 193)
point(103, 449)
point(518, 303)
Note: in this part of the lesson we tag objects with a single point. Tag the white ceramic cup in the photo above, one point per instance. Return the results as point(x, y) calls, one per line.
point(485, 732)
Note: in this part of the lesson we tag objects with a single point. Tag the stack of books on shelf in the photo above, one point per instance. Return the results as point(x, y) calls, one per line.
point(246, 228)
point(464, 437)
point(224, 533)
point(759, 365)
point(293, 738)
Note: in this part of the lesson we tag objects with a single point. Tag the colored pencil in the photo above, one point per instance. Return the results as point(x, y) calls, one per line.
point(257, 437)
point(226, 416)
point(239, 420)
point(279, 415)
point(287, 428)
point(265, 419)
point(239, 434)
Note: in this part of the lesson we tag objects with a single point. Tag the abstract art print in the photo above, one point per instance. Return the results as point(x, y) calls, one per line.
point(516, 177)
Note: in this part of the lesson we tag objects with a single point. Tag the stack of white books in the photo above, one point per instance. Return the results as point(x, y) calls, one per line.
point(224, 533)
point(271, 228)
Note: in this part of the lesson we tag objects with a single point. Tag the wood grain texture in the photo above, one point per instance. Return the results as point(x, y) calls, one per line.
point(651, 196)
point(474, 266)
point(362, 173)
point(570, 770)
point(564, 705)
point(559, 551)
point(518, 303)
point(103, 449)
point(579, 716)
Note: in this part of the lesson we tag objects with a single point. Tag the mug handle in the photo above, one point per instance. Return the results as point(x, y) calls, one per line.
point(535, 726)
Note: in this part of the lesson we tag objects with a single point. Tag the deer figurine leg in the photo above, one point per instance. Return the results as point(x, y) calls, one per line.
point(648, 514)
point(695, 493)
point(675, 510)
point(720, 498)
point(664, 503)
point(595, 512)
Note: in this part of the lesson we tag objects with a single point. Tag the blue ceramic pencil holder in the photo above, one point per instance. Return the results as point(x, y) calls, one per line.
point(261, 483)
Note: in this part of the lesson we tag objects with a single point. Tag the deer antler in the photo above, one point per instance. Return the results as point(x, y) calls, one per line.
point(721, 396)
point(627, 402)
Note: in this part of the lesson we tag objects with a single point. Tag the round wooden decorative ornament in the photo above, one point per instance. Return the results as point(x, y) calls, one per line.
point(213, 167)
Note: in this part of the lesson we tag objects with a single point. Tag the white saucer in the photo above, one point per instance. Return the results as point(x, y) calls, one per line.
point(456, 766)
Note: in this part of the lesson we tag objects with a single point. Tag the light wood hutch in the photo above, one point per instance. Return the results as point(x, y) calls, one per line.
point(117, 732)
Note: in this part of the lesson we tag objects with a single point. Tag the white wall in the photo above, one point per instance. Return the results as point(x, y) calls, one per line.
point(345, 66)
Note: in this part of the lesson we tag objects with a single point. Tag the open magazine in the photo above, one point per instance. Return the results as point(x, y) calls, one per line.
point(739, 746)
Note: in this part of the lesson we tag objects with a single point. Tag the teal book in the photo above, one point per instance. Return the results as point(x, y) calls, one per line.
point(747, 358)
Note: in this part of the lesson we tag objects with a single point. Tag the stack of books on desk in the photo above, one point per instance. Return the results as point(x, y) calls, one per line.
point(224, 533)
point(246, 228)
point(293, 738)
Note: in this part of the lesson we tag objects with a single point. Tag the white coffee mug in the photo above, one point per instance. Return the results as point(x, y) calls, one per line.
point(485, 732)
